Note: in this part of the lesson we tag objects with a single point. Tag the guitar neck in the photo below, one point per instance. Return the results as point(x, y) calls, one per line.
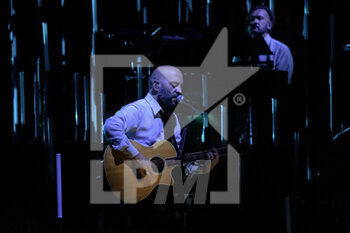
point(202, 155)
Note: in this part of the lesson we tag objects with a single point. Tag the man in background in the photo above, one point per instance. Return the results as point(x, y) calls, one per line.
point(260, 21)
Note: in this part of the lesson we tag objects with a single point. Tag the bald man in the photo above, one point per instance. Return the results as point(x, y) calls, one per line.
point(141, 120)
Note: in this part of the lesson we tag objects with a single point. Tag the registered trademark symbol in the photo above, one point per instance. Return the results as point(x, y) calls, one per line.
point(238, 99)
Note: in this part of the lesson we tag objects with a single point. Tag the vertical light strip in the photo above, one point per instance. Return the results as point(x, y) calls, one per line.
point(187, 10)
point(76, 103)
point(249, 5)
point(46, 46)
point(139, 78)
point(204, 91)
point(205, 104)
point(190, 5)
point(250, 125)
point(274, 119)
point(223, 125)
point(179, 11)
point(222, 122)
point(145, 14)
point(93, 103)
point(208, 12)
point(306, 121)
point(205, 119)
point(94, 99)
point(93, 107)
point(59, 185)
point(306, 20)
point(296, 143)
point(13, 40)
point(15, 109)
point(93, 51)
point(22, 98)
point(138, 6)
point(308, 169)
point(94, 25)
point(272, 5)
point(63, 46)
point(13, 12)
point(48, 129)
point(102, 104)
point(13, 47)
point(86, 106)
point(76, 98)
point(149, 70)
point(330, 83)
point(37, 99)
point(94, 16)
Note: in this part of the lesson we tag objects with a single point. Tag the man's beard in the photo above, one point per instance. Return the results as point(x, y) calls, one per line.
point(168, 105)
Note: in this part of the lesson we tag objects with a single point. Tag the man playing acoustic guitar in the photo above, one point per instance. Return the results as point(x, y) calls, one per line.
point(143, 121)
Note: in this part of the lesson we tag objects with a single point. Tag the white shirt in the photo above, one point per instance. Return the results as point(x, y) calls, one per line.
point(139, 121)
point(282, 57)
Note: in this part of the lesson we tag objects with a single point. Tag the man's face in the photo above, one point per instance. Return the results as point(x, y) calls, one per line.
point(170, 88)
point(259, 22)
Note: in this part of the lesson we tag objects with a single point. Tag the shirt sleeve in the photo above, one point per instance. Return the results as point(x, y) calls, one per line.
point(116, 128)
point(285, 62)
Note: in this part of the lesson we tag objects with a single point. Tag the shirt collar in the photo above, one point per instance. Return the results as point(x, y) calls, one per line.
point(153, 103)
point(268, 39)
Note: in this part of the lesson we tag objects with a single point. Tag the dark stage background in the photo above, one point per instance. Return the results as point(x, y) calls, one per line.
point(47, 47)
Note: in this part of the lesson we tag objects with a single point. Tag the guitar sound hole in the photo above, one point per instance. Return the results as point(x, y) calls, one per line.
point(158, 164)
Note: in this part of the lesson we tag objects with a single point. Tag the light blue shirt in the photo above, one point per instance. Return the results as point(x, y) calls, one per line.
point(139, 121)
point(282, 57)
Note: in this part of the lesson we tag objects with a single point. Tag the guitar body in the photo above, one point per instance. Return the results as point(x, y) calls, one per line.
point(122, 169)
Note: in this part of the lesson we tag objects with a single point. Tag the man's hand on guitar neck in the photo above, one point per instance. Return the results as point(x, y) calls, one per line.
point(203, 168)
point(214, 156)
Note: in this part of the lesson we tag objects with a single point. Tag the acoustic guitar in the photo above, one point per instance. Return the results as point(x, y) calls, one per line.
point(121, 168)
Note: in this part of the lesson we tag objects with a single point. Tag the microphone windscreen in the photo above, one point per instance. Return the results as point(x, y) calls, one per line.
point(179, 98)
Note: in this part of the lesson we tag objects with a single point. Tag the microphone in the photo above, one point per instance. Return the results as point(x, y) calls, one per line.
point(182, 100)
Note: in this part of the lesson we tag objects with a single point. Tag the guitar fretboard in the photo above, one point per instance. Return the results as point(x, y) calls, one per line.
point(202, 154)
